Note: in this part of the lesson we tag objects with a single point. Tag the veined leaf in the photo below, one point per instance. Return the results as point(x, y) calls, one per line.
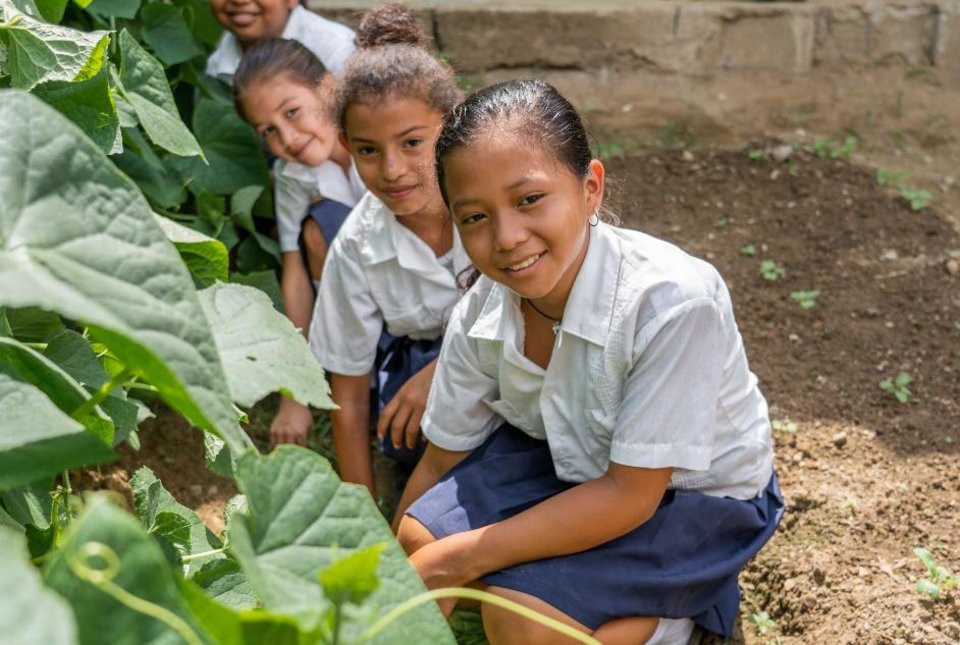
point(206, 257)
point(77, 237)
point(261, 350)
point(37, 439)
point(301, 520)
point(231, 147)
point(90, 105)
point(165, 29)
point(145, 87)
point(38, 52)
point(30, 613)
point(52, 10)
point(160, 184)
point(114, 8)
point(107, 539)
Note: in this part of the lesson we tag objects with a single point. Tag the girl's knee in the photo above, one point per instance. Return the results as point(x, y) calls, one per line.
point(316, 246)
point(413, 535)
point(504, 627)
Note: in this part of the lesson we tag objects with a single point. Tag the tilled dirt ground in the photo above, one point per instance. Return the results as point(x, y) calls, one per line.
point(867, 478)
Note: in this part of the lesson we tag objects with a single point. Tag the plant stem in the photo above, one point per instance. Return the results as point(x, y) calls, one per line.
point(197, 556)
point(482, 596)
point(101, 394)
point(337, 617)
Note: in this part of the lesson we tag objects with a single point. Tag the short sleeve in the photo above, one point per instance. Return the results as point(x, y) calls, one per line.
point(346, 322)
point(292, 200)
point(668, 414)
point(457, 417)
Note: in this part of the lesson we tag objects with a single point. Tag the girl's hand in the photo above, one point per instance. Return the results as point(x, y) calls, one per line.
point(447, 563)
point(292, 423)
point(401, 417)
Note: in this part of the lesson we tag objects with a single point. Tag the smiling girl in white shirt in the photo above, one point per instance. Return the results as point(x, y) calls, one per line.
point(598, 448)
point(390, 276)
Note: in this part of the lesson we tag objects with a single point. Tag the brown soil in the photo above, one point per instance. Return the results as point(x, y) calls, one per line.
point(866, 478)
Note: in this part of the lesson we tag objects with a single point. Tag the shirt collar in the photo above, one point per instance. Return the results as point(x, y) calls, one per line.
point(589, 307)
point(227, 56)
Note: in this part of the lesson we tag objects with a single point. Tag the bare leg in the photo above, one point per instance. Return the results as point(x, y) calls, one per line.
point(413, 535)
point(316, 247)
point(627, 631)
point(504, 627)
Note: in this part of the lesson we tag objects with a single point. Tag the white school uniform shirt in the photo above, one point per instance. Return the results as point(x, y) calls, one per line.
point(298, 186)
point(379, 273)
point(648, 370)
point(331, 42)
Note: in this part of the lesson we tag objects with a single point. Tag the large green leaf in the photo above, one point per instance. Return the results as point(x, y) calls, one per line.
point(160, 184)
point(30, 613)
point(52, 10)
point(172, 523)
point(166, 30)
point(77, 237)
point(37, 439)
point(206, 257)
point(261, 350)
point(115, 8)
point(38, 52)
point(301, 520)
point(25, 364)
point(231, 147)
point(145, 86)
point(204, 26)
point(137, 566)
point(90, 105)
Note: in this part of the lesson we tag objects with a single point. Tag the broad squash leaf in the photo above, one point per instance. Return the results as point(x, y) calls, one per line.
point(114, 8)
point(90, 105)
point(261, 350)
point(77, 238)
point(206, 257)
point(30, 613)
point(166, 30)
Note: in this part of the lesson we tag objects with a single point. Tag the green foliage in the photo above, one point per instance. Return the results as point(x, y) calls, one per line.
point(891, 177)
point(939, 580)
point(771, 270)
point(832, 149)
point(916, 198)
point(748, 250)
point(784, 425)
point(898, 386)
point(757, 155)
point(806, 299)
point(762, 622)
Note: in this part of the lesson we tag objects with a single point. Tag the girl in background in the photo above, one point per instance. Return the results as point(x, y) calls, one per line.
point(598, 447)
point(249, 21)
point(389, 280)
point(287, 95)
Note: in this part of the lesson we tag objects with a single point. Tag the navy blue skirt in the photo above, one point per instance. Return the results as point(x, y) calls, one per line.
point(681, 563)
point(329, 216)
point(397, 360)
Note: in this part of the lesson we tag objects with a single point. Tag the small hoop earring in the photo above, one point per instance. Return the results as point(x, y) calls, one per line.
point(594, 218)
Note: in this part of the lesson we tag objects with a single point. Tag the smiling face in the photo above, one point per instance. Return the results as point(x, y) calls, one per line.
point(522, 215)
point(291, 118)
point(392, 146)
point(251, 20)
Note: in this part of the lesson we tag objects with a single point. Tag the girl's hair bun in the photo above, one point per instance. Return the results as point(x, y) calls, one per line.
point(393, 23)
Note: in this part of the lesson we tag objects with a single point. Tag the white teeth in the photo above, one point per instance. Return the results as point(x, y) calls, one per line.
point(524, 264)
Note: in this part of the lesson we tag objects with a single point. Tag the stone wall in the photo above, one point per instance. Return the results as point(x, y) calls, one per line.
point(690, 37)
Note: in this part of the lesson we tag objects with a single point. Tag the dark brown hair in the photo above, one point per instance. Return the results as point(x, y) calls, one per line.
point(392, 61)
point(271, 58)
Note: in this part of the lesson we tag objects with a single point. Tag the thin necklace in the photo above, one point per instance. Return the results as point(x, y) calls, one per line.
point(555, 321)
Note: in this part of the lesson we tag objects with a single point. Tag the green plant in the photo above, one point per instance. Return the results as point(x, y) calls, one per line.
point(916, 198)
point(762, 622)
point(898, 386)
point(939, 579)
point(831, 149)
point(806, 299)
point(748, 250)
point(771, 270)
point(610, 149)
point(721, 222)
point(891, 177)
point(784, 425)
point(757, 155)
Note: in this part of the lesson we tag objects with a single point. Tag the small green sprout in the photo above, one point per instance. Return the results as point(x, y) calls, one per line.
point(891, 177)
point(748, 250)
point(722, 222)
point(898, 386)
point(757, 155)
point(762, 622)
point(830, 149)
point(917, 198)
point(806, 299)
point(772, 271)
point(784, 425)
point(939, 579)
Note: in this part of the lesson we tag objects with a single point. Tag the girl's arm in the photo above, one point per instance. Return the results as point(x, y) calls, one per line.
point(434, 464)
point(401, 417)
point(351, 428)
point(578, 519)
